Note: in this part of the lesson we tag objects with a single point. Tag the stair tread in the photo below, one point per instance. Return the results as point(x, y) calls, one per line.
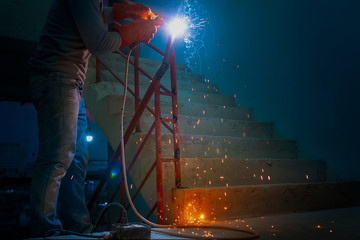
point(255, 159)
point(186, 135)
point(214, 146)
point(93, 96)
point(116, 89)
point(218, 172)
point(260, 200)
point(216, 118)
point(263, 185)
point(203, 125)
point(144, 79)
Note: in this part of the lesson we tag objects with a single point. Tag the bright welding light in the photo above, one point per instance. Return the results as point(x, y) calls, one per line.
point(177, 27)
point(89, 138)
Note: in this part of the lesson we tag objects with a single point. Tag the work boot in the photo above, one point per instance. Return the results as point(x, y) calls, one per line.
point(43, 196)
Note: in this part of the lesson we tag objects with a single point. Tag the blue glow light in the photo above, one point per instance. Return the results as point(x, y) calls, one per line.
point(197, 19)
point(113, 174)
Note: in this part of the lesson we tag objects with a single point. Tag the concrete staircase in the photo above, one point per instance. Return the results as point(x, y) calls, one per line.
point(231, 164)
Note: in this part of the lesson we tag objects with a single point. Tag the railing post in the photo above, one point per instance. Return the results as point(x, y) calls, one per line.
point(97, 63)
point(175, 114)
point(159, 184)
point(136, 82)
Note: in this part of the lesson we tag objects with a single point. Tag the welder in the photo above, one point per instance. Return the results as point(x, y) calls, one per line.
point(74, 29)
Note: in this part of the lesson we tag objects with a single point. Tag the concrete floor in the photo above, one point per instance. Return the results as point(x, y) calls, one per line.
point(335, 224)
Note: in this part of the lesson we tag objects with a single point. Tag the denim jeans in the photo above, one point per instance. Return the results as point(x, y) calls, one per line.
point(57, 197)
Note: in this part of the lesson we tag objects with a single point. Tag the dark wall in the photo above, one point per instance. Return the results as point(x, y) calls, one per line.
point(294, 62)
point(297, 64)
point(14, 57)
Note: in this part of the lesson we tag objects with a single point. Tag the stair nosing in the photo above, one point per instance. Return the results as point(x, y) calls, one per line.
point(215, 94)
point(265, 185)
point(222, 136)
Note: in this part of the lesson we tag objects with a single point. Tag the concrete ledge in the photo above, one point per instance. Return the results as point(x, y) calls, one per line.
point(111, 88)
point(182, 84)
point(218, 203)
point(217, 172)
point(93, 93)
point(195, 146)
point(224, 127)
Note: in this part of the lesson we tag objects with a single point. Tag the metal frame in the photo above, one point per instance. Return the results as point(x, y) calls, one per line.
point(140, 105)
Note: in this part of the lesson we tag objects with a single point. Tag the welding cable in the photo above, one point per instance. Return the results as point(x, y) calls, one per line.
point(68, 232)
point(103, 211)
point(92, 234)
point(155, 225)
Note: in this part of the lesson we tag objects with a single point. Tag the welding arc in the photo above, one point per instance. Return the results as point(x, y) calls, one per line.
point(252, 233)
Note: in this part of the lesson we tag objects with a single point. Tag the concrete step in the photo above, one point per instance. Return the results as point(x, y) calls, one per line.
point(224, 127)
point(216, 127)
point(219, 172)
point(116, 88)
point(99, 94)
point(182, 84)
point(224, 173)
point(195, 146)
point(207, 126)
point(106, 112)
point(259, 200)
point(212, 110)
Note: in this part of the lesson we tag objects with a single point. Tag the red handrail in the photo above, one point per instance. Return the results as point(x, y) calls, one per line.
point(140, 106)
point(175, 113)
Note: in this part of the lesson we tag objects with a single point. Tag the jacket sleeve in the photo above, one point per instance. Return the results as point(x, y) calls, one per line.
point(108, 15)
point(90, 24)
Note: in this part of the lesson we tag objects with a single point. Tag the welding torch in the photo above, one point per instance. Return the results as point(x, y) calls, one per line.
point(146, 16)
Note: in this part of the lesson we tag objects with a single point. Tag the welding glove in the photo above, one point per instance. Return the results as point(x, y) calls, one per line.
point(134, 11)
point(138, 31)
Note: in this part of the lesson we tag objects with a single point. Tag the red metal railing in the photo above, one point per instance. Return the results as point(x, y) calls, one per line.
point(157, 89)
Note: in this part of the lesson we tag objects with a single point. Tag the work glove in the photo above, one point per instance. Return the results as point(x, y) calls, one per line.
point(134, 11)
point(138, 31)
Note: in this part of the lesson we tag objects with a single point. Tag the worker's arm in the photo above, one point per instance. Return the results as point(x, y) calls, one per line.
point(138, 31)
point(90, 24)
point(123, 11)
point(97, 39)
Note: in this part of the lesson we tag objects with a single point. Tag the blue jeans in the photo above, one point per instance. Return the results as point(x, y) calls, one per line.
point(57, 197)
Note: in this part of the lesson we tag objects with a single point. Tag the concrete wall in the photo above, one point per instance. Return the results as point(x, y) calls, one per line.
point(296, 63)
